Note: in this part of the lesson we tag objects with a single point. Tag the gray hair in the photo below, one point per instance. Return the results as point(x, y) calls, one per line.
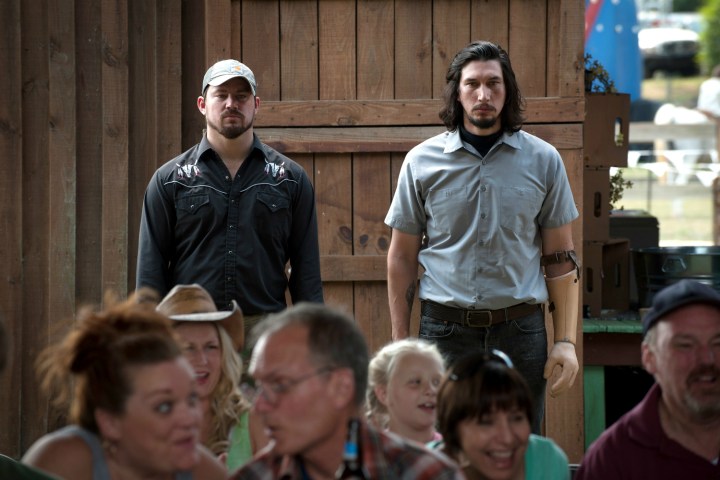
point(333, 339)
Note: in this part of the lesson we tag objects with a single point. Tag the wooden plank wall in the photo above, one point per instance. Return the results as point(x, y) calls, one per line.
point(99, 93)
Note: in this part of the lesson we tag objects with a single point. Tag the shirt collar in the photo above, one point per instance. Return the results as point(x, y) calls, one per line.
point(204, 147)
point(454, 142)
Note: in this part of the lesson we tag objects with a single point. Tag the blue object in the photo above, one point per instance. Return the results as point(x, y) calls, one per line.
point(611, 38)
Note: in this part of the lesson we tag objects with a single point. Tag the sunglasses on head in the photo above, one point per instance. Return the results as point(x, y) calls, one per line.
point(470, 365)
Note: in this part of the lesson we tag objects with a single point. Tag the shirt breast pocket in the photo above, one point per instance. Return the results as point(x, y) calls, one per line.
point(519, 206)
point(449, 210)
point(191, 204)
point(272, 215)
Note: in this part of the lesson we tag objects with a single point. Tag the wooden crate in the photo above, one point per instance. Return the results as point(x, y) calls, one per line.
point(606, 130)
point(596, 204)
point(605, 276)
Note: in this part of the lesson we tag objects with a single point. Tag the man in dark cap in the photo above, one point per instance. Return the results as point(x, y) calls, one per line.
point(674, 432)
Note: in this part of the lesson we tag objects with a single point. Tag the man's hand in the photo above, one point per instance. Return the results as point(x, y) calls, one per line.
point(563, 355)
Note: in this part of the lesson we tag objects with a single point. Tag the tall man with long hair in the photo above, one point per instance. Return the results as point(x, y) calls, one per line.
point(486, 209)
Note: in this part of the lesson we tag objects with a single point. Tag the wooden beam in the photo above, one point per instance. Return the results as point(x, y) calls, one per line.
point(353, 268)
point(389, 139)
point(367, 113)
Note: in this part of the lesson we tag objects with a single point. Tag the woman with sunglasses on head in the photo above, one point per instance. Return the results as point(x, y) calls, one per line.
point(133, 400)
point(485, 415)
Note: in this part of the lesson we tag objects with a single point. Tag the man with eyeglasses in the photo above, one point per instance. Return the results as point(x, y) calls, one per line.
point(310, 366)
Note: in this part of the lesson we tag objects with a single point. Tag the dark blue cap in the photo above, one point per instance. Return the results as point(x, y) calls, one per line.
point(680, 294)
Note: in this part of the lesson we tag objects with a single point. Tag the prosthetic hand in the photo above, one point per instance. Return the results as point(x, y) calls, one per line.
point(564, 294)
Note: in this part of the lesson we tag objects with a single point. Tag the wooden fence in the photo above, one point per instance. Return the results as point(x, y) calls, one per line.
point(99, 93)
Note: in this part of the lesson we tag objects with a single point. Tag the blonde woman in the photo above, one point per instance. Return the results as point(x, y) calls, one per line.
point(404, 378)
point(211, 340)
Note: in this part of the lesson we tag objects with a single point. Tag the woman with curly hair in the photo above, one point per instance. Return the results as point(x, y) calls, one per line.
point(133, 400)
point(211, 340)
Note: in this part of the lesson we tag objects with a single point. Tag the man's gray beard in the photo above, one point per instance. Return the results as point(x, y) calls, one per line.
point(484, 123)
point(702, 412)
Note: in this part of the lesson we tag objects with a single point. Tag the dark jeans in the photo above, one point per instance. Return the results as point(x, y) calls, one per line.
point(523, 339)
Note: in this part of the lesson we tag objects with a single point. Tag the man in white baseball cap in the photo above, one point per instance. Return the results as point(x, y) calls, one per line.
point(231, 212)
point(225, 70)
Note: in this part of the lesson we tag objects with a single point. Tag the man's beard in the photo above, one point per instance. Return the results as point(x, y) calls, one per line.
point(231, 132)
point(707, 407)
point(483, 123)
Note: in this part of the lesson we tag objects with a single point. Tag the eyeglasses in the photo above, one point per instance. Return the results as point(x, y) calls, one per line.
point(272, 391)
point(469, 365)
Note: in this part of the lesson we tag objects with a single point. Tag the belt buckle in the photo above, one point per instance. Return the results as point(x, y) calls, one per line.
point(471, 314)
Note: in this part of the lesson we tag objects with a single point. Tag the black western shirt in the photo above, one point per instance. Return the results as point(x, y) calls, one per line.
point(233, 236)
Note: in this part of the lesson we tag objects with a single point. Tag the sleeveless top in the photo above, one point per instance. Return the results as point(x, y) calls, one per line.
point(99, 466)
point(240, 449)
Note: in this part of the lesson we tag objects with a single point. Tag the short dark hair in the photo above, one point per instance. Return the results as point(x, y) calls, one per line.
point(333, 339)
point(511, 117)
point(476, 385)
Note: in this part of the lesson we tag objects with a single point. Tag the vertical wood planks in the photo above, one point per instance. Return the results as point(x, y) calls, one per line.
point(371, 183)
point(299, 49)
point(333, 172)
point(89, 151)
point(114, 21)
point(490, 21)
point(261, 45)
point(218, 15)
point(375, 49)
point(566, 50)
point(62, 173)
point(526, 45)
point(105, 92)
point(451, 32)
point(143, 131)
point(35, 212)
point(565, 414)
point(413, 49)
point(11, 205)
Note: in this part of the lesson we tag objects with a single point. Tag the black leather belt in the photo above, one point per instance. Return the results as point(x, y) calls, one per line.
point(477, 318)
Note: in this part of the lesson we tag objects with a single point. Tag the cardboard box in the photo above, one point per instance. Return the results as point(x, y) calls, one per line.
point(606, 129)
point(596, 204)
point(605, 276)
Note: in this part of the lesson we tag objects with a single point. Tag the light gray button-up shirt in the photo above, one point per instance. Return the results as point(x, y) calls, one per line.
point(482, 217)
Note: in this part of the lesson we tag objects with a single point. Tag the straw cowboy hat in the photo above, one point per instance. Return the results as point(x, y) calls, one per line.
point(192, 303)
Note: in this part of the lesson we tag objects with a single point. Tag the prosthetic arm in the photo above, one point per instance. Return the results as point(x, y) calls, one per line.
point(564, 293)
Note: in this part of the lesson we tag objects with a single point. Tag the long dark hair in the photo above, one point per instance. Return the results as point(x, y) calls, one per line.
point(511, 116)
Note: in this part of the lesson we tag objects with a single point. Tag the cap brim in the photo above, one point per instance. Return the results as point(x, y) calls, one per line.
point(224, 78)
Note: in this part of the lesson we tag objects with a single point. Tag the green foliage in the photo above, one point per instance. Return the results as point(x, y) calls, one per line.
point(617, 187)
point(597, 78)
point(710, 36)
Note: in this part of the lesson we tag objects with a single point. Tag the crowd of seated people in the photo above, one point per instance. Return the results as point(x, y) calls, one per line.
point(153, 391)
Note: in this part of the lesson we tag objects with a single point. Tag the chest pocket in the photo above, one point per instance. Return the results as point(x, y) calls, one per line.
point(273, 202)
point(519, 207)
point(449, 210)
point(190, 204)
point(273, 219)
